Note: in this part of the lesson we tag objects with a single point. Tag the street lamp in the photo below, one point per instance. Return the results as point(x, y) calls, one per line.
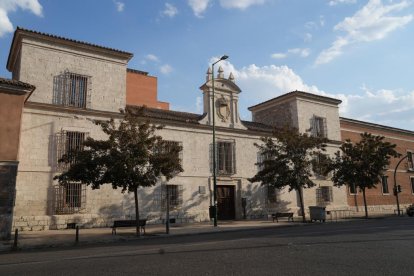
point(214, 143)
point(396, 189)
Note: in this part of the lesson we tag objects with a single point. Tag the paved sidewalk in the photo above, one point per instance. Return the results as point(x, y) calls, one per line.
point(66, 238)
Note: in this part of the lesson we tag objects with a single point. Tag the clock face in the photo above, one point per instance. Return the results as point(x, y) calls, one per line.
point(223, 109)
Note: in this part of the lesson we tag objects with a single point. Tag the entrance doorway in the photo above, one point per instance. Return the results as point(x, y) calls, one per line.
point(225, 202)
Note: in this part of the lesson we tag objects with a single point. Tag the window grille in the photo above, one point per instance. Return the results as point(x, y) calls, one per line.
point(318, 162)
point(175, 193)
point(384, 180)
point(168, 145)
point(71, 89)
point(68, 142)
point(324, 195)
point(318, 127)
point(70, 198)
point(412, 184)
point(410, 162)
point(225, 158)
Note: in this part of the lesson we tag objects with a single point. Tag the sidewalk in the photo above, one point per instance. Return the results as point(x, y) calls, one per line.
point(66, 238)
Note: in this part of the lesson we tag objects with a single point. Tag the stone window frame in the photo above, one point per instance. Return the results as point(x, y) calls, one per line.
point(70, 198)
point(318, 126)
point(229, 166)
point(71, 89)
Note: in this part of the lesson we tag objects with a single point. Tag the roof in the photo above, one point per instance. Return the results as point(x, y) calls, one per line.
point(299, 94)
point(405, 131)
point(31, 32)
point(186, 117)
point(139, 72)
point(17, 83)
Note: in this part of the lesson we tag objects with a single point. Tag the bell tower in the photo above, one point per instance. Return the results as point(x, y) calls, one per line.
point(226, 100)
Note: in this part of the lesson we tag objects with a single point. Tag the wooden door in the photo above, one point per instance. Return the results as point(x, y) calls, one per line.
point(225, 202)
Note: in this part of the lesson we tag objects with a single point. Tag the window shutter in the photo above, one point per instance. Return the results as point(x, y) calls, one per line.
point(180, 195)
point(233, 145)
point(325, 128)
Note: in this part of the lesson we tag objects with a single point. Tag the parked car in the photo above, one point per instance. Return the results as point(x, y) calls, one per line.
point(410, 210)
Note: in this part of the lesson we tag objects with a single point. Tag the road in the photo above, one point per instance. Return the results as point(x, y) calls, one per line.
point(361, 247)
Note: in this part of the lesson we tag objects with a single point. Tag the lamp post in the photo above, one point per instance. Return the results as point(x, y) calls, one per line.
point(214, 142)
point(396, 190)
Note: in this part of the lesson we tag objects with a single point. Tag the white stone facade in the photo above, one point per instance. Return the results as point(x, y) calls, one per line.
point(37, 58)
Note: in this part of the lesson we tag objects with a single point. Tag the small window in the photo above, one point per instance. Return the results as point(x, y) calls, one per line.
point(412, 184)
point(410, 163)
point(68, 143)
point(318, 127)
point(70, 89)
point(324, 195)
point(70, 198)
point(225, 158)
point(352, 189)
point(384, 181)
point(175, 195)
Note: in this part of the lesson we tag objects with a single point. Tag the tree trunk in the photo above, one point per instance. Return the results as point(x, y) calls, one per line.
point(302, 208)
point(365, 203)
point(137, 210)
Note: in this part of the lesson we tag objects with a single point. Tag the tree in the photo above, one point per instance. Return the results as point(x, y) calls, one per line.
point(287, 160)
point(362, 164)
point(132, 156)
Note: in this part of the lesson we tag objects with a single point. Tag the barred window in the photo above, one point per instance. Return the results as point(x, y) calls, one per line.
point(175, 195)
point(318, 127)
point(168, 145)
point(70, 89)
point(225, 158)
point(324, 195)
point(410, 162)
point(319, 162)
point(271, 195)
point(68, 142)
point(384, 180)
point(70, 198)
point(352, 189)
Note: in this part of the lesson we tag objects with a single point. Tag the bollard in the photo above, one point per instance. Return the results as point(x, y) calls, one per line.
point(77, 234)
point(16, 237)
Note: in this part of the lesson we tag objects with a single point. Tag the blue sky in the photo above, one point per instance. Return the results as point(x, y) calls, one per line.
point(360, 51)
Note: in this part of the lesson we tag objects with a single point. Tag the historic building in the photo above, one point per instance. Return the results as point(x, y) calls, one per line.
point(383, 199)
point(78, 82)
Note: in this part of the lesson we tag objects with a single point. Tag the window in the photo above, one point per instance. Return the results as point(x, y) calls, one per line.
point(352, 189)
point(169, 145)
point(324, 195)
point(384, 180)
point(271, 195)
point(68, 143)
point(175, 194)
point(226, 158)
point(410, 161)
point(412, 184)
point(70, 89)
point(70, 198)
point(318, 127)
point(319, 163)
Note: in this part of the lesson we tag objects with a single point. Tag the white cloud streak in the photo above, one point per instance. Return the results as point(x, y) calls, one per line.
point(166, 69)
point(170, 10)
point(119, 6)
point(373, 22)
point(7, 6)
point(240, 4)
point(152, 57)
point(337, 2)
point(199, 6)
point(295, 51)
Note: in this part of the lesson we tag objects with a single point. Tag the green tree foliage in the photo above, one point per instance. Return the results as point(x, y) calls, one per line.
point(362, 164)
point(287, 160)
point(132, 156)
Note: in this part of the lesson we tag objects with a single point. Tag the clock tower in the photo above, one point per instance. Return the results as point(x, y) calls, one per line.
point(226, 101)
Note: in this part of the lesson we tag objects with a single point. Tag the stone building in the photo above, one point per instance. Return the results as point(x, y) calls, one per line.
point(78, 82)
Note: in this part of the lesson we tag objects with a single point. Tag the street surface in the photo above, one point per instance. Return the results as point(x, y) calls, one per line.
point(360, 247)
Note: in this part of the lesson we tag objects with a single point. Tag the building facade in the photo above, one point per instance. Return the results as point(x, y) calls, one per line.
point(77, 83)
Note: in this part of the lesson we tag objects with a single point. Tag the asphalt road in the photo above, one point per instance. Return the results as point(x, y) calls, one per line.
point(363, 247)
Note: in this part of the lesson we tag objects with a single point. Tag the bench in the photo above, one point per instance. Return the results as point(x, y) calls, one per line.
point(289, 216)
point(129, 223)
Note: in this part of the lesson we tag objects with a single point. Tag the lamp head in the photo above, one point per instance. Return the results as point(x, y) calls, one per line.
point(224, 57)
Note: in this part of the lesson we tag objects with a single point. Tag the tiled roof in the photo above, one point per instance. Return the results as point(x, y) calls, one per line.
point(16, 83)
point(188, 117)
point(378, 126)
point(299, 93)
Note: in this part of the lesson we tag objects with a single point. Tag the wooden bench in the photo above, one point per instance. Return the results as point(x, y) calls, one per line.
point(129, 223)
point(289, 216)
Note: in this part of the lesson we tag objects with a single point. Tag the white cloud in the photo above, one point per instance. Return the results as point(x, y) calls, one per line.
point(295, 51)
point(119, 6)
point(166, 69)
point(170, 10)
point(373, 22)
point(307, 37)
point(258, 84)
point(336, 2)
point(7, 6)
point(199, 6)
point(240, 4)
point(152, 57)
